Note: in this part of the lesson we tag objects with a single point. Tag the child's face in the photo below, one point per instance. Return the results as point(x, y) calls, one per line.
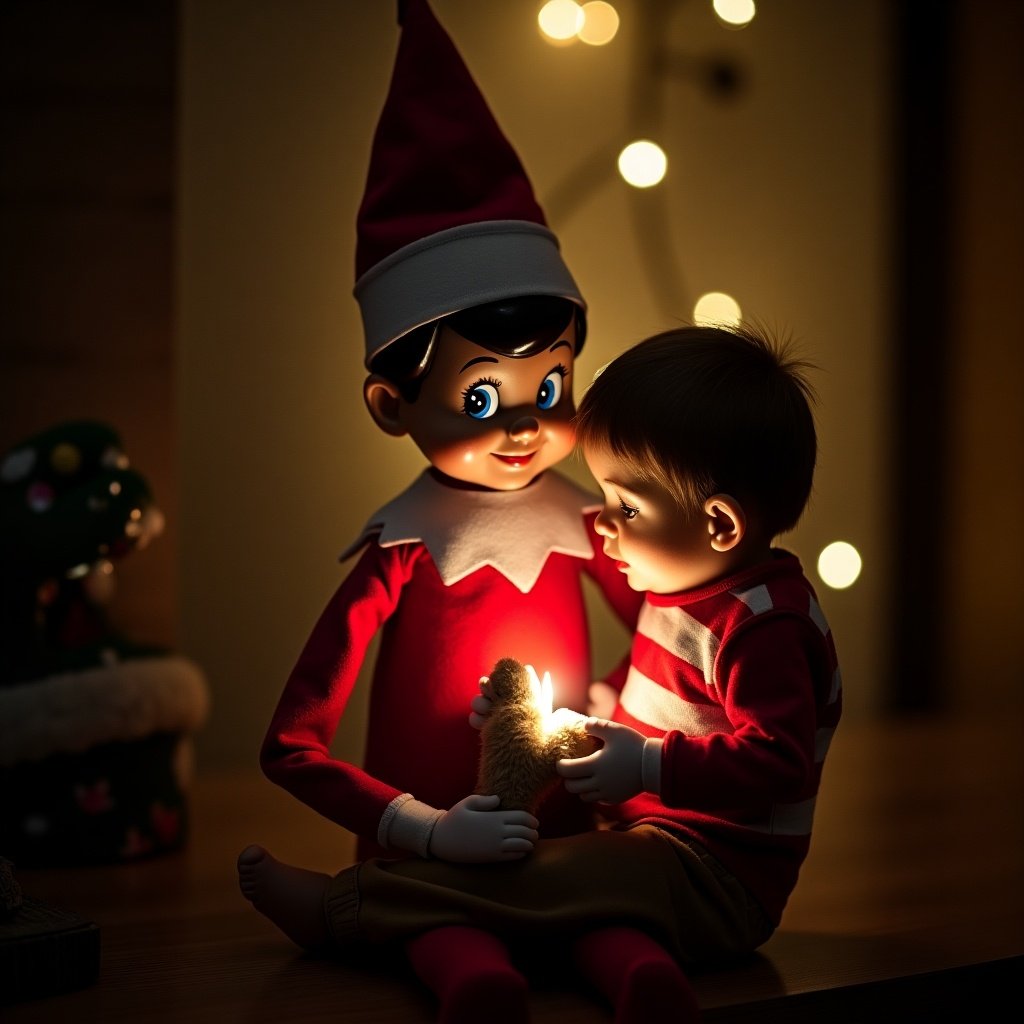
point(493, 420)
point(657, 546)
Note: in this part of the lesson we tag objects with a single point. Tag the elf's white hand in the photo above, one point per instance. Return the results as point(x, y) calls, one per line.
point(481, 704)
point(609, 775)
point(474, 832)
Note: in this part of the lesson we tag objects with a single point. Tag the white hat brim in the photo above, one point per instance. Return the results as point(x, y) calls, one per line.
point(456, 269)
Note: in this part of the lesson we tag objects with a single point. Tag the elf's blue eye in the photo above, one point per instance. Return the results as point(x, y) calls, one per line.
point(550, 391)
point(481, 400)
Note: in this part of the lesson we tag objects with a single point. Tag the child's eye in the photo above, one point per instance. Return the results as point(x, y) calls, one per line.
point(550, 392)
point(629, 511)
point(480, 400)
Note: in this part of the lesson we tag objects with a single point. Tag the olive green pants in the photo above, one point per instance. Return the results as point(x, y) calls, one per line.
point(646, 878)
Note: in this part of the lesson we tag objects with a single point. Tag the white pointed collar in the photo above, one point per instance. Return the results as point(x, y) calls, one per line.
point(464, 530)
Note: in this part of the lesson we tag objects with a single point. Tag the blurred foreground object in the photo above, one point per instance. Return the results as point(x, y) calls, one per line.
point(43, 951)
point(94, 726)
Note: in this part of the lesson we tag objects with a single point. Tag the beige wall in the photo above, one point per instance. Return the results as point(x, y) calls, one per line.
point(778, 198)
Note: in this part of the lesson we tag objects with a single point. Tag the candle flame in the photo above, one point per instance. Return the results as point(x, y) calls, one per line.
point(543, 693)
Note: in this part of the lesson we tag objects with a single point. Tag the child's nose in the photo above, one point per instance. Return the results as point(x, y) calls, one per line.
point(602, 527)
point(524, 428)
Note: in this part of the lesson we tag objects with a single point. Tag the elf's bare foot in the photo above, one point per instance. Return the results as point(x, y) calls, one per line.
point(293, 898)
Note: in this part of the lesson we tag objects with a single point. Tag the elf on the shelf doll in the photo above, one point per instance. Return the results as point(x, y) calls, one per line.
point(472, 322)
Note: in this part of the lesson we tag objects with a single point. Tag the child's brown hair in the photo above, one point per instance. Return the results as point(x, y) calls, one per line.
point(706, 410)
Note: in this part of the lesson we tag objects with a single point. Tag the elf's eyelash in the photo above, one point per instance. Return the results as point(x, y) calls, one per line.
point(477, 383)
point(629, 511)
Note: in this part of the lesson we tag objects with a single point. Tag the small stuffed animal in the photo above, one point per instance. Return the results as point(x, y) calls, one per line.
point(518, 754)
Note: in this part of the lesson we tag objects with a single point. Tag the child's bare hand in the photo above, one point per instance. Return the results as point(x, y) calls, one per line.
point(475, 832)
point(481, 704)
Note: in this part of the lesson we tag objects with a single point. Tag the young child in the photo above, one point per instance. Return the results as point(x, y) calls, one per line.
point(472, 323)
point(703, 443)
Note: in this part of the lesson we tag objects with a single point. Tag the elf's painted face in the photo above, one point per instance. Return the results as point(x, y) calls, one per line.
point(491, 420)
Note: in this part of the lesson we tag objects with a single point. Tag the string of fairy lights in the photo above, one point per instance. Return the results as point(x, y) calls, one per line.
point(643, 164)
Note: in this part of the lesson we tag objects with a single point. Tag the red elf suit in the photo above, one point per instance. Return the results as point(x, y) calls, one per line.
point(456, 579)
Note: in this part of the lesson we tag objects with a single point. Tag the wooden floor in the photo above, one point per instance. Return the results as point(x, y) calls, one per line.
point(910, 907)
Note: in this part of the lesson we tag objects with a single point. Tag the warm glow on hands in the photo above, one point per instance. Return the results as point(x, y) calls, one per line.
point(613, 773)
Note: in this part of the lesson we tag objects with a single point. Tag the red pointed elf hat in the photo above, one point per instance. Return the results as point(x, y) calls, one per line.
point(448, 218)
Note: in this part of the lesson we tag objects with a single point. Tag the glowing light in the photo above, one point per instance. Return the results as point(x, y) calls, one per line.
point(560, 20)
point(543, 693)
point(152, 525)
point(717, 308)
point(643, 164)
point(735, 13)
point(65, 458)
point(600, 23)
point(839, 565)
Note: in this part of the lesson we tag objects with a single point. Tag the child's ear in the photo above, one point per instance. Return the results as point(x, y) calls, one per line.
point(384, 401)
point(727, 522)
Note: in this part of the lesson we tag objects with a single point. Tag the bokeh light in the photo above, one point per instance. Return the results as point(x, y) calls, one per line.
point(600, 23)
point(839, 565)
point(715, 308)
point(735, 13)
point(560, 20)
point(643, 163)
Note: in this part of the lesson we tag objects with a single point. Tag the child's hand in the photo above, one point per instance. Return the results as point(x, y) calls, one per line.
point(481, 704)
point(601, 700)
point(473, 832)
point(609, 775)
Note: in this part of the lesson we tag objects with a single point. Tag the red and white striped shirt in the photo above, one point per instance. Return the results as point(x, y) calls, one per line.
point(742, 681)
